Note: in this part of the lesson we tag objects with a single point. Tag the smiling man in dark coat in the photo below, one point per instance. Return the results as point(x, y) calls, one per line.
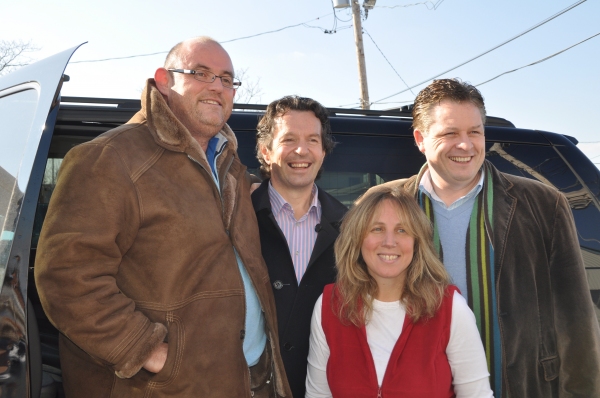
point(510, 244)
point(298, 222)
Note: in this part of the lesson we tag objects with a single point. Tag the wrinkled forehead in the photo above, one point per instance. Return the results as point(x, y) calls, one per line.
point(206, 55)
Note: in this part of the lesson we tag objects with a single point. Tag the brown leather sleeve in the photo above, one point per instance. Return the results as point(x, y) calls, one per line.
point(91, 222)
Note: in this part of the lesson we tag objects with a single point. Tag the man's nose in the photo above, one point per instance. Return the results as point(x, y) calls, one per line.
point(216, 85)
point(464, 142)
point(301, 148)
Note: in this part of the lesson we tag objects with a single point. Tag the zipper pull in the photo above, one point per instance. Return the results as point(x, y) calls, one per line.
point(379, 392)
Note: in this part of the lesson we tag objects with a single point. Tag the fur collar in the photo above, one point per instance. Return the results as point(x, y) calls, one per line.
point(168, 131)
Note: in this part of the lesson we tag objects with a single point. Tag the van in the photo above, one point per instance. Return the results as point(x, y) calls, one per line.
point(39, 127)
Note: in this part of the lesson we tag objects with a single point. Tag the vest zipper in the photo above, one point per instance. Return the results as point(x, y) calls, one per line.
point(379, 395)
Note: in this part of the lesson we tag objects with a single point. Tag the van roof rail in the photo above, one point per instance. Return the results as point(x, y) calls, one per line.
point(405, 111)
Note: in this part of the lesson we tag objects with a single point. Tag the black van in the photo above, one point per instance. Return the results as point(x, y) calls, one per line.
point(39, 127)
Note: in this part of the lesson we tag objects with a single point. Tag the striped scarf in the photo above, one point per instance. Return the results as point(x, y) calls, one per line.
point(481, 284)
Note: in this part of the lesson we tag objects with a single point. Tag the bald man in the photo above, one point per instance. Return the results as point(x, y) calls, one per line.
point(149, 262)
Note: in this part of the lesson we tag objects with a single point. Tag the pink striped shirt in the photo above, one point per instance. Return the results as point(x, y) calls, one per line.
point(300, 234)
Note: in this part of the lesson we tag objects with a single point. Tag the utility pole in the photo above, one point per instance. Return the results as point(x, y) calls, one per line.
point(360, 54)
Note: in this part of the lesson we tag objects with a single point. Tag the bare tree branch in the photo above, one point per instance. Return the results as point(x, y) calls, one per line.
point(13, 54)
point(249, 91)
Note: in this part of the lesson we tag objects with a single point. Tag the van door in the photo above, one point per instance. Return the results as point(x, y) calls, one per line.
point(29, 99)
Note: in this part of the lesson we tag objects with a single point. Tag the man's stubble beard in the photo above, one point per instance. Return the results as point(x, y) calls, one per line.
point(198, 124)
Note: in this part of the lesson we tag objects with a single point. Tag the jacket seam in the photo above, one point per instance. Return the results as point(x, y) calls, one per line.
point(148, 305)
point(147, 164)
point(130, 175)
point(178, 354)
point(131, 336)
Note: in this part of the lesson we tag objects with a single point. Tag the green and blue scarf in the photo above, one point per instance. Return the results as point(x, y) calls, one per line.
point(481, 284)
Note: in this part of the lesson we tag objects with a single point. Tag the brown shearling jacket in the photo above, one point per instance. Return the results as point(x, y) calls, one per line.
point(138, 248)
point(549, 331)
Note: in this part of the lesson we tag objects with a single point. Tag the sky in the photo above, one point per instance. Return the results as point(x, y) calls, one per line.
point(406, 42)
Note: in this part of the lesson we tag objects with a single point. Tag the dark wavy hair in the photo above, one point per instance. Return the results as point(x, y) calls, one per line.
point(278, 108)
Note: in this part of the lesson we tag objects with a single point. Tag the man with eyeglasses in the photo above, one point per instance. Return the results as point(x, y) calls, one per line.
point(149, 262)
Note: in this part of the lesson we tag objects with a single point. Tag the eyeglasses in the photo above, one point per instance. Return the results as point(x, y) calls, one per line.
point(209, 77)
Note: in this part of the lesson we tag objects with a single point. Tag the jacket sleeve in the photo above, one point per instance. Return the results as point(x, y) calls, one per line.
point(91, 222)
point(578, 334)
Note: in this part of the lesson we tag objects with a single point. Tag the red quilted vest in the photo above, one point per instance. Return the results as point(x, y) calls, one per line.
point(418, 366)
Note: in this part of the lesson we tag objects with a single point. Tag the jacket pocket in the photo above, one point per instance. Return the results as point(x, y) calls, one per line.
point(176, 341)
point(550, 365)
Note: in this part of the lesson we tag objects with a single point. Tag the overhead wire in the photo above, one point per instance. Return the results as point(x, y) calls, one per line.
point(333, 30)
point(387, 60)
point(434, 6)
point(488, 51)
point(304, 24)
point(538, 61)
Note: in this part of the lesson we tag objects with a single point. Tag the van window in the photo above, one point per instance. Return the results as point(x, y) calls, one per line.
point(544, 164)
point(17, 111)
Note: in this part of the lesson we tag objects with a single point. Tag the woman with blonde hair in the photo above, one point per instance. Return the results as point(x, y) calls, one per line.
point(392, 325)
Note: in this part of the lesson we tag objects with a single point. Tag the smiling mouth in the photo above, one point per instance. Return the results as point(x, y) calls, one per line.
point(210, 102)
point(389, 257)
point(298, 165)
point(461, 159)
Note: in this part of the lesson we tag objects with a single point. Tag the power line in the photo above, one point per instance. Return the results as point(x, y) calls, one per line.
point(304, 24)
point(338, 18)
point(389, 63)
point(539, 61)
point(434, 6)
point(488, 51)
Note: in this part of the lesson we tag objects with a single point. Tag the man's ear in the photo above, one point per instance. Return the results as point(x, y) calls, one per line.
point(162, 79)
point(266, 154)
point(419, 140)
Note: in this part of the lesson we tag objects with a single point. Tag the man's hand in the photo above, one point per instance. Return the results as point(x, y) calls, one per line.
point(157, 359)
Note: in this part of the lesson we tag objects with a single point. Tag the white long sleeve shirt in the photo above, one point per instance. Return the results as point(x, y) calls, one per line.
point(465, 350)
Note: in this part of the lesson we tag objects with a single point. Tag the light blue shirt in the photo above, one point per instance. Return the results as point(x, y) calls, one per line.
point(255, 337)
point(452, 223)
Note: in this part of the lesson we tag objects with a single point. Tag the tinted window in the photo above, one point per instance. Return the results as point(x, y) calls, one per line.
point(17, 112)
point(357, 162)
point(544, 164)
point(372, 151)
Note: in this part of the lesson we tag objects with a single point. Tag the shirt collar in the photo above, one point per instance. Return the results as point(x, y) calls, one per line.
point(278, 202)
point(426, 186)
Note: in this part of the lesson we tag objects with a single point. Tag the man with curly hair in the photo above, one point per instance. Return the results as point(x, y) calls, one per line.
point(298, 222)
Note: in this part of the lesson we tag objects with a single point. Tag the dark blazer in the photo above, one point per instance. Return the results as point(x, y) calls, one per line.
point(549, 332)
point(295, 303)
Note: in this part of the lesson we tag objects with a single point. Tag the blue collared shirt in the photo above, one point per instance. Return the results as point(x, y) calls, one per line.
point(255, 337)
